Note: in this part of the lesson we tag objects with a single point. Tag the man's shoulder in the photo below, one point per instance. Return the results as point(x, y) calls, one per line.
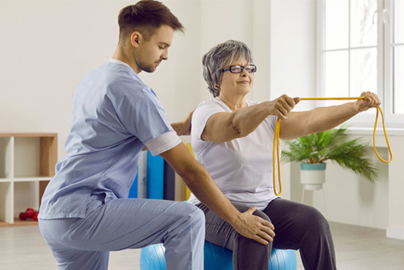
point(118, 73)
point(121, 80)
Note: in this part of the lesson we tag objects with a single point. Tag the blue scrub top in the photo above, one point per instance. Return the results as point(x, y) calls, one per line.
point(114, 115)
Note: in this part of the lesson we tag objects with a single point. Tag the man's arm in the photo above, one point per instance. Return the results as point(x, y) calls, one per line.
point(202, 185)
point(182, 128)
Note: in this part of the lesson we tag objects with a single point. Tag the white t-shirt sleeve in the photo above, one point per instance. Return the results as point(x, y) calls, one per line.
point(201, 116)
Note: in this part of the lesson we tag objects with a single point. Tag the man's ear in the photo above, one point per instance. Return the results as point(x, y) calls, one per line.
point(135, 39)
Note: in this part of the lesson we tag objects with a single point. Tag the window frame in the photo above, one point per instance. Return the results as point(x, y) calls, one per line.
point(385, 69)
point(394, 120)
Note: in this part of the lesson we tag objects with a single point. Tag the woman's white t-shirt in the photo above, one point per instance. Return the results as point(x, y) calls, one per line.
point(242, 168)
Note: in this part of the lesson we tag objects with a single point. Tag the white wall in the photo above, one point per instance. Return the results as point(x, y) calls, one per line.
point(47, 47)
point(293, 49)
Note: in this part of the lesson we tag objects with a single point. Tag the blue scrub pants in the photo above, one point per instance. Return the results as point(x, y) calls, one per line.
point(84, 243)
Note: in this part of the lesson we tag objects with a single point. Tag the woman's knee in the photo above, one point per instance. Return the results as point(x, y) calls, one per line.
point(316, 222)
point(262, 215)
point(243, 207)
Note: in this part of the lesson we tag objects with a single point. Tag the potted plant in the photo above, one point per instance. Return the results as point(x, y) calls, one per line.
point(313, 150)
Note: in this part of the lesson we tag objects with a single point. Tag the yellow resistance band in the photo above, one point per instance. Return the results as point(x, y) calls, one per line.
point(277, 131)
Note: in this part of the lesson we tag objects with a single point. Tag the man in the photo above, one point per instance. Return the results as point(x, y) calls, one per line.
point(85, 212)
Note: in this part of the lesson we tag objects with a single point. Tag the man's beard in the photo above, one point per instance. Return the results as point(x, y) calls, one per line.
point(145, 67)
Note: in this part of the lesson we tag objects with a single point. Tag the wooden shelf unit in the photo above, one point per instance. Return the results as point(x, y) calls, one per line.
point(27, 164)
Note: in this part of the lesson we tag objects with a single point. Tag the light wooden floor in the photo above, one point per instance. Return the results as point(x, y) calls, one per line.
point(358, 248)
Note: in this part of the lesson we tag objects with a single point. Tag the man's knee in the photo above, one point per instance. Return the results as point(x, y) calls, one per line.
point(190, 221)
point(196, 215)
point(189, 214)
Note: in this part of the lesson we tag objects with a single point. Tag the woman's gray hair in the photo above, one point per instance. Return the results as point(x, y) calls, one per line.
point(218, 57)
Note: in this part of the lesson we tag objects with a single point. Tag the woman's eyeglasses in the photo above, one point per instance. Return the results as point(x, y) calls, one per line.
point(239, 69)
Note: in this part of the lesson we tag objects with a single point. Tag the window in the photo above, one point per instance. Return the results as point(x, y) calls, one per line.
point(361, 48)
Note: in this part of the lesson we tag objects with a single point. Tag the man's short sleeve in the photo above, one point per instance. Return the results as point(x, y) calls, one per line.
point(163, 143)
point(142, 114)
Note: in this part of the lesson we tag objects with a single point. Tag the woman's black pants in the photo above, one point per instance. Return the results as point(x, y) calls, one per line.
point(297, 226)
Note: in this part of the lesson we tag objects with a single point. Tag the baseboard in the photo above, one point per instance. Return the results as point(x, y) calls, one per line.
point(395, 232)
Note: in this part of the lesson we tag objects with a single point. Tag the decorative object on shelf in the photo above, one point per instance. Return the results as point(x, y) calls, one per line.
point(27, 164)
point(29, 214)
point(313, 150)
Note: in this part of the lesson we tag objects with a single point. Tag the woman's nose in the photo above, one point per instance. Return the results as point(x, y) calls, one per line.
point(244, 72)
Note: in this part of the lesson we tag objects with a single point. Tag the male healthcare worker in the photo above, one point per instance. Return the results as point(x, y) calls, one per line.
point(85, 212)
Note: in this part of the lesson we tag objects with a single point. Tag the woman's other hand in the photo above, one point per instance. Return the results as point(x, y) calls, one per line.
point(254, 227)
point(371, 100)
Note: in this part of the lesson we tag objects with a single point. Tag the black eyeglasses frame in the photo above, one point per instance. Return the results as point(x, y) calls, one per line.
point(242, 68)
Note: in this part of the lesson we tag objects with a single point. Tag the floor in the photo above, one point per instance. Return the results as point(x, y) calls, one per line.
point(357, 248)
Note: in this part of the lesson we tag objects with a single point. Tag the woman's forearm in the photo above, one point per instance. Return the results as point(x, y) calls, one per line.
point(222, 127)
point(325, 118)
point(300, 124)
point(246, 120)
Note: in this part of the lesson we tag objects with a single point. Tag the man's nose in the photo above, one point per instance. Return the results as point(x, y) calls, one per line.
point(164, 56)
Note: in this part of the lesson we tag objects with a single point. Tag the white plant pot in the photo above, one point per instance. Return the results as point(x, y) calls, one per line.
point(312, 176)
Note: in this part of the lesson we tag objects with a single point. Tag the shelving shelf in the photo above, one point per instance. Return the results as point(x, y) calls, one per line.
point(32, 179)
point(27, 164)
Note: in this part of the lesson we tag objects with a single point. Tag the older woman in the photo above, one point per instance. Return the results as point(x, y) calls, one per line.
point(232, 138)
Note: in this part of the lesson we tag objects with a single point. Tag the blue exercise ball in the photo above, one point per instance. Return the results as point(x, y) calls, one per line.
point(216, 257)
point(152, 258)
point(283, 259)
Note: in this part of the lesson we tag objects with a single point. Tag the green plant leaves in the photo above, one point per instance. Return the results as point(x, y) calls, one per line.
point(331, 145)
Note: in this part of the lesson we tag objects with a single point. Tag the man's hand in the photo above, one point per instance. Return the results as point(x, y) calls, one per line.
point(184, 127)
point(201, 184)
point(371, 100)
point(254, 227)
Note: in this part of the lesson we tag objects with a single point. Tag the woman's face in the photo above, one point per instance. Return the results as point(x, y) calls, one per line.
point(236, 83)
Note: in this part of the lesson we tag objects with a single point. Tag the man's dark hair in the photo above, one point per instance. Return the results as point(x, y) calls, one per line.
point(146, 17)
